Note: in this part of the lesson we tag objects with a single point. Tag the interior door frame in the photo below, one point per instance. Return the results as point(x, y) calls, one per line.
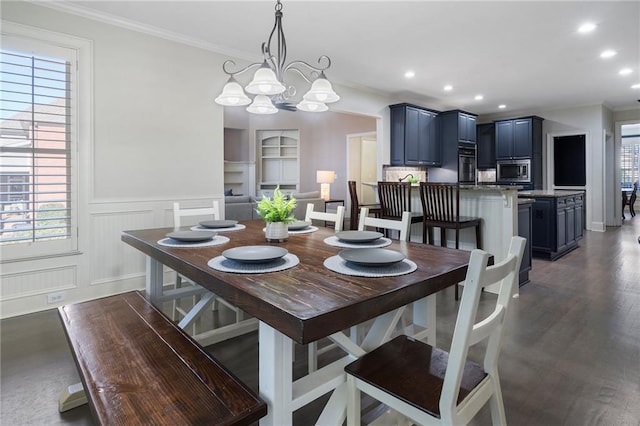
point(549, 175)
point(351, 160)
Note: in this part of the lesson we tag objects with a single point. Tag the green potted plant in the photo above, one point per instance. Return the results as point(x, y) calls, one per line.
point(276, 213)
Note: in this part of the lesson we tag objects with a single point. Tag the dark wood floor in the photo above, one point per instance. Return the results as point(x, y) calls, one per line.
point(571, 353)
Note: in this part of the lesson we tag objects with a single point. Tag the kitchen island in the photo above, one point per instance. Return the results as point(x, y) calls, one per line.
point(557, 221)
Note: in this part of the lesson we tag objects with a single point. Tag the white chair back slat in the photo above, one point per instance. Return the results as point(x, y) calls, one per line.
point(337, 217)
point(178, 212)
point(403, 226)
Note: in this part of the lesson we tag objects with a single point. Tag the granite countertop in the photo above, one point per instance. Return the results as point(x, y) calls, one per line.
point(490, 187)
point(554, 193)
point(526, 201)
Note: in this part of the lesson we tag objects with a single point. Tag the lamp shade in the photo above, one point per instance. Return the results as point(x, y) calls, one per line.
point(262, 105)
point(321, 91)
point(265, 83)
point(311, 106)
point(325, 176)
point(232, 95)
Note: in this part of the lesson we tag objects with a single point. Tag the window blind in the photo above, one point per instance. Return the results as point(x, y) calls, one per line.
point(35, 147)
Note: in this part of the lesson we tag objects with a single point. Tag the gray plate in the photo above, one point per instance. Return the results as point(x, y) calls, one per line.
point(191, 236)
point(218, 223)
point(254, 254)
point(298, 225)
point(358, 236)
point(372, 256)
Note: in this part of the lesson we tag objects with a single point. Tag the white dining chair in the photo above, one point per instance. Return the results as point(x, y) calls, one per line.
point(428, 386)
point(403, 226)
point(337, 217)
point(212, 212)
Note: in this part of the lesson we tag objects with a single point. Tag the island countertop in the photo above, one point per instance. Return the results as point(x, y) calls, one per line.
point(490, 187)
point(546, 193)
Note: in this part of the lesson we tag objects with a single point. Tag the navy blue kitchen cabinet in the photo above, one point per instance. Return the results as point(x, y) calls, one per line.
point(485, 146)
point(457, 126)
point(557, 224)
point(518, 138)
point(414, 136)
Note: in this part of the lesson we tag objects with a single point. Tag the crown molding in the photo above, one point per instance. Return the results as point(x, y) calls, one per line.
point(84, 12)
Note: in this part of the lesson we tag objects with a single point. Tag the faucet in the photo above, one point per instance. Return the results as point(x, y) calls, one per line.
point(407, 176)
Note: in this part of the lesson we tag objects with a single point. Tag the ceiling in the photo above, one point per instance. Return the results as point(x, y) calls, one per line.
point(526, 55)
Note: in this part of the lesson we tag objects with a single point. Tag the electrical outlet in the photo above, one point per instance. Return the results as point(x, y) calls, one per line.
point(55, 297)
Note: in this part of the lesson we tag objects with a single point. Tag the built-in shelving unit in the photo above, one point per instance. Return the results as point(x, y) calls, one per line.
point(236, 177)
point(278, 151)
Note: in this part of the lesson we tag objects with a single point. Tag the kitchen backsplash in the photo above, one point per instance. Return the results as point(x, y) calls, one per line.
point(394, 173)
point(488, 175)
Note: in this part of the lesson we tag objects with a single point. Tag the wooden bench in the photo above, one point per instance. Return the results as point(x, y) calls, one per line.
point(138, 367)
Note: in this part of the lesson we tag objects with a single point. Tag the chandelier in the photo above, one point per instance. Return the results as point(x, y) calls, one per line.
point(268, 84)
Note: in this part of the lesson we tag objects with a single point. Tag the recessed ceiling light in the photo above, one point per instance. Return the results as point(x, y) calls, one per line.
point(636, 86)
point(409, 74)
point(608, 54)
point(625, 71)
point(448, 88)
point(587, 27)
point(479, 97)
point(502, 106)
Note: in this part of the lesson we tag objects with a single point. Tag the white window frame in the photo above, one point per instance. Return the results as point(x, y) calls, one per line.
point(30, 39)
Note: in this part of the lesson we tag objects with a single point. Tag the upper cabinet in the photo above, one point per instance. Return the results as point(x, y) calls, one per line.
point(459, 126)
point(466, 126)
point(486, 146)
point(518, 138)
point(414, 136)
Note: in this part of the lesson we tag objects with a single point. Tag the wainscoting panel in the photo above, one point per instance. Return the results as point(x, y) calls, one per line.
point(30, 283)
point(111, 259)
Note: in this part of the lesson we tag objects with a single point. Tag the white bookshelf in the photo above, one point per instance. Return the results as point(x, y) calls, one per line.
point(278, 151)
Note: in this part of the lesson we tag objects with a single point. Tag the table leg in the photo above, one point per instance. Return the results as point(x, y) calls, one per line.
point(276, 376)
point(155, 281)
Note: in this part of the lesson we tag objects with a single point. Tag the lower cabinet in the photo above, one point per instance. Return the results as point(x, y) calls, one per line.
point(524, 230)
point(557, 224)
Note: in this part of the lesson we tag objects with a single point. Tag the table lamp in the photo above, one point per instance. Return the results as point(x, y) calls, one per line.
point(325, 178)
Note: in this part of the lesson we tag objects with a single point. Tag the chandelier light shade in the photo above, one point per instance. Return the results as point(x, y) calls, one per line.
point(321, 91)
point(268, 85)
point(262, 105)
point(233, 95)
point(265, 83)
point(311, 106)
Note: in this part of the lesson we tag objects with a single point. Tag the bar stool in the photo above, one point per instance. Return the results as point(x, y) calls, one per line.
point(354, 220)
point(441, 208)
point(395, 199)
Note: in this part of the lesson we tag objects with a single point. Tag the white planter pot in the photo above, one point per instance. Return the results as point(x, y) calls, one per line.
point(276, 232)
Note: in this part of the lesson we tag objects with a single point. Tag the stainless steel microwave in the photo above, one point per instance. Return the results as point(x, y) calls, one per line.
point(513, 171)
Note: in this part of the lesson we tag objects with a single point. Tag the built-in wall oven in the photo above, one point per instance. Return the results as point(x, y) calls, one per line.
point(467, 165)
point(513, 171)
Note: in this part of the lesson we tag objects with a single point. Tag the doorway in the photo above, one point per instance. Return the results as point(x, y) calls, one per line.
point(362, 164)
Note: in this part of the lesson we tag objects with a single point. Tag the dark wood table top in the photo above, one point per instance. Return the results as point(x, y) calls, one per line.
point(307, 302)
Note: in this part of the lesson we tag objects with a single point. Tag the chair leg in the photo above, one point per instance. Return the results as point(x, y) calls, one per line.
point(498, 416)
point(478, 237)
point(353, 402)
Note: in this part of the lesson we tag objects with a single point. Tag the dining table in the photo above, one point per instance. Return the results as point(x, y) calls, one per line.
point(309, 300)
